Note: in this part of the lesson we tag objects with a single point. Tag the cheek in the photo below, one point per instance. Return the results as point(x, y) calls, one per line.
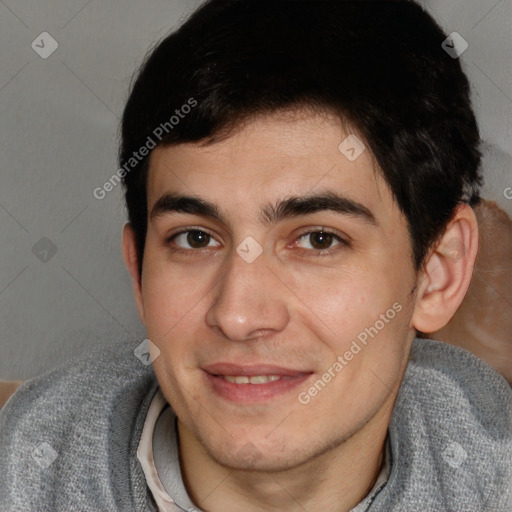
point(161, 308)
point(174, 313)
point(348, 299)
point(170, 297)
point(370, 307)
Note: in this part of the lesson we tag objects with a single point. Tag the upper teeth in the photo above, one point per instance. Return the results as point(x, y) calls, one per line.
point(256, 379)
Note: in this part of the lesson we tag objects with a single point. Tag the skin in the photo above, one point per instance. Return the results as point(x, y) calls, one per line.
point(289, 307)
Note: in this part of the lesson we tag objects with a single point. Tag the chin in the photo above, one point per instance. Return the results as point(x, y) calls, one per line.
point(258, 454)
point(258, 462)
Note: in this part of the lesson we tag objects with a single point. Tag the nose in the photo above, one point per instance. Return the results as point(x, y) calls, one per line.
point(249, 301)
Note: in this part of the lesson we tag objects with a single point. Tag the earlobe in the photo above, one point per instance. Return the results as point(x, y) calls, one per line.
point(130, 257)
point(447, 272)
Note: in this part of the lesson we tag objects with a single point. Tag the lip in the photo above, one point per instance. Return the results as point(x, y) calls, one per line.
point(253, 393)
point(251, 370)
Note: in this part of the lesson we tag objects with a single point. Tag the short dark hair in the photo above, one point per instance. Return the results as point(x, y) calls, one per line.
point(377, 64)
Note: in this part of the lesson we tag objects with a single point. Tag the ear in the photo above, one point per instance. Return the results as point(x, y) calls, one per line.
point(447, 271)
point(129, 248)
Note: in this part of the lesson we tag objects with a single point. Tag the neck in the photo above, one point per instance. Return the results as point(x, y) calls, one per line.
point(335, 481)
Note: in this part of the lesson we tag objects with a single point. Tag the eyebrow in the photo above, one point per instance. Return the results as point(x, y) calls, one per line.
point(293, 206)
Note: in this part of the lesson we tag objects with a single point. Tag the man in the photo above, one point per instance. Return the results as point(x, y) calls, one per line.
point(299, 179)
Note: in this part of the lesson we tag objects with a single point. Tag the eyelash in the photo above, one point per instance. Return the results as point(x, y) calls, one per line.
point(315, 253)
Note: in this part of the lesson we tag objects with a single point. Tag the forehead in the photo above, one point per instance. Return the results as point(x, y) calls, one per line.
point(271, 157)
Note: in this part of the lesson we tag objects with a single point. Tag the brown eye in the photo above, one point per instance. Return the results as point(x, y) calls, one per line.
point(321, 243)
point(195, 238)
point(320, 240)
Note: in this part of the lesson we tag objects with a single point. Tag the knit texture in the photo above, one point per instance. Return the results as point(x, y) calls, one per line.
point(68, 439)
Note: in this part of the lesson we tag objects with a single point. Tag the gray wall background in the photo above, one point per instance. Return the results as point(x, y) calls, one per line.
point(63, 284)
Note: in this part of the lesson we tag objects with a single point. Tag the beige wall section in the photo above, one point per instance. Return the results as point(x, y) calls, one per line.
point(63, 286)
point(7, 388)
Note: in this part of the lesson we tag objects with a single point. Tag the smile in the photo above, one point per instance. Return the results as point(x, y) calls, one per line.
point(251, 384)
point(256, 379)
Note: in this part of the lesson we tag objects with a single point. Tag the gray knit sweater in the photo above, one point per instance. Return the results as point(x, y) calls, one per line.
point(68, 439)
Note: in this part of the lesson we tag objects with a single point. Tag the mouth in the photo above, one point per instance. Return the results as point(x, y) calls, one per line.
point(255, 383)
point(255, 379)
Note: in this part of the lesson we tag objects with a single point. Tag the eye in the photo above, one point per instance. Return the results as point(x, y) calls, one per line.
point(195, 238)
point(320, 241)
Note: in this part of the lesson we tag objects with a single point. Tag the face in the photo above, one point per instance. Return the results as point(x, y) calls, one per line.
point(277, 289)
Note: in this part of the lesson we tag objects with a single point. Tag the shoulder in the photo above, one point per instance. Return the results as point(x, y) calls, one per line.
point(451, 433)
point(57, 431)
point(443, 374)
point(90, 379)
